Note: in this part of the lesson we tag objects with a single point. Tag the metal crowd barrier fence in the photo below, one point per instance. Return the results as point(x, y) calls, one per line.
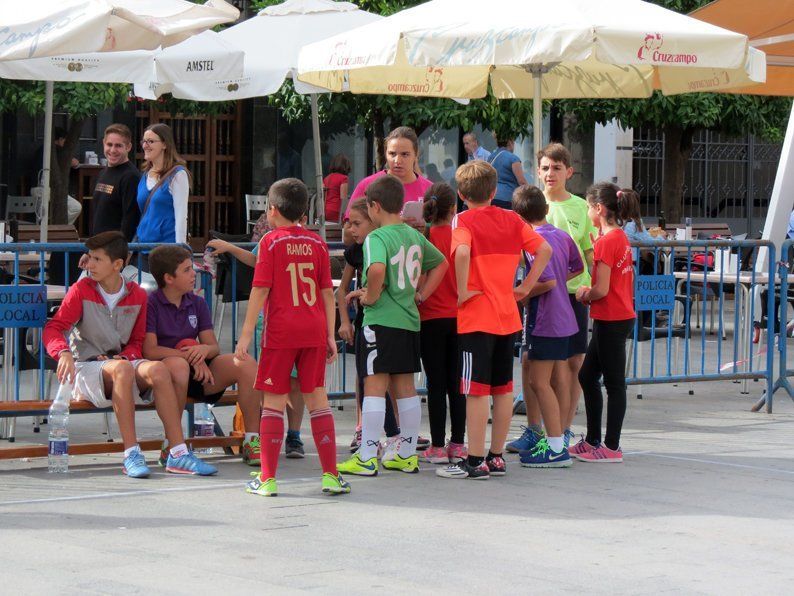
point(28, 290)
point(675, 278)
point(784, 326)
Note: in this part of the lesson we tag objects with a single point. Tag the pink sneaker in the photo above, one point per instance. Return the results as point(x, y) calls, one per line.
point(602, 455)
point(580, 448)
point(435, 455)
point(456, 452)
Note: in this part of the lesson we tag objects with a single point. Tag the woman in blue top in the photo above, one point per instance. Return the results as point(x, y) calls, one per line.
point(510, 174)
point(164, 219)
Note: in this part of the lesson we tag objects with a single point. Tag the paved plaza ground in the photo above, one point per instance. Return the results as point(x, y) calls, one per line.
point(703, 504)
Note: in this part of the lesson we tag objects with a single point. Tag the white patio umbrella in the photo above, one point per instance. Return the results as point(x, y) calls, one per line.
point(56, 27)
point(580, 48)
point(271, 42)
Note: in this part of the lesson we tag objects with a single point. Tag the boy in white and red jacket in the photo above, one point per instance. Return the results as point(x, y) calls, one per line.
point(104, 317)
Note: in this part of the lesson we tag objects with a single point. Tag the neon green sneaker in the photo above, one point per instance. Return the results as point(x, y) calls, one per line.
point(356, 466)
point(409, 465)
point(255, 486)
point(251, 451)
point(335, 485)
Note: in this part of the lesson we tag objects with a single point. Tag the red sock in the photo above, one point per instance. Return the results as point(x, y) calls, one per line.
point(324, 435)
point(271, 433)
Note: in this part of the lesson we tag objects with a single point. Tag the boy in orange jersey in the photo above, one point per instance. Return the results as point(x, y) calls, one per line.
point(487, 245)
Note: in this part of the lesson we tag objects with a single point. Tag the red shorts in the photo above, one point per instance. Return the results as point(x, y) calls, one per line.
point(275, 368)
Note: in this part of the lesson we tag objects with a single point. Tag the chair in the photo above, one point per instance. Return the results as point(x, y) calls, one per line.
point(223, 278)
point(254, 204)
point(20, 206)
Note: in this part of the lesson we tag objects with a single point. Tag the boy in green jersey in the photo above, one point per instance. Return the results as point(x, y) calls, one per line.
point(396, 257)
point(568, 213)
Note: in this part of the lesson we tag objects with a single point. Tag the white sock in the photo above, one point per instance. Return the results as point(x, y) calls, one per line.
point(373, 414)
point(556, 444)
point(178, 450)
point(410, 410)
point(250, 436)
point(135, 447)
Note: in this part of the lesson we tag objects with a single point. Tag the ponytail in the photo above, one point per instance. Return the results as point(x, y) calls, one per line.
point(439, 202)
point(631, 207)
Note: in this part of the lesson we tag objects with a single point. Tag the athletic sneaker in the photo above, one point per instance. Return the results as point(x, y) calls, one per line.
point(422, 443)
point(135, 465)
point(335, 485)
point(567, 436)
point(462, 469)
point(293, 448)
point(409, 465)
point(436, 455)
point(580, 448)
point(189, 464)
point(389, 449)
point(496, 466)
point(456, 452)
point(251, 451)
point(542, 456)
point(356, 442)
point(601, 454)
point(528, 439)
point(355, 465)
point(255, 486)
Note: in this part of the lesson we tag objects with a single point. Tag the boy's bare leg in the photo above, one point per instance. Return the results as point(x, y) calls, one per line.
point(574, 365)
point(560, 383)
point(477, 410)
point(530, 399)
point(228, 370)
point(541, 371)
point(502, 414)
point(118, 377)
point(180, 376)
point(156, 375)
point(295, 406)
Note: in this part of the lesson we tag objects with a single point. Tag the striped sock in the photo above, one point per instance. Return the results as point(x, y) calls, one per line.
point(271, 434)
point(324, 433)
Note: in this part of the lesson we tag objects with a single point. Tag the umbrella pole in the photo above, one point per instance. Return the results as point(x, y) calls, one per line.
point(319, 204)
point(537, 111)
point(45, 179)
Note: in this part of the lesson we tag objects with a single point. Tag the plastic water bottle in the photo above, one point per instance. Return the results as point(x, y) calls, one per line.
point(58, 422)
point(688, 227)
point(203, 424)
point(662, 220)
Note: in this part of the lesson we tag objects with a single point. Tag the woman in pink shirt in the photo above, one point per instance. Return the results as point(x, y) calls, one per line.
point(402, 155)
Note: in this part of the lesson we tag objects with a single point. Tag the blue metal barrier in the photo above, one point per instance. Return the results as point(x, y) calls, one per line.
point(785, 271)
point(701, 271)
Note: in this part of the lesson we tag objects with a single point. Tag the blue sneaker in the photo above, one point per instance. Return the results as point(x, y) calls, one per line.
point(526, 442)
point(189, 464)
point(543, 457)
point(567, 436)
point(135, 465)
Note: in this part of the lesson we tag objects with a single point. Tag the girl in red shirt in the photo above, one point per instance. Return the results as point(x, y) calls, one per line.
point(611, 300)
point(439, 337)
point(335, 187)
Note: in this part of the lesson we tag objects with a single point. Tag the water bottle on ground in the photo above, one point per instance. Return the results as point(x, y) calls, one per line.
point(58, 422)
point(203, 424)
point(688, 227)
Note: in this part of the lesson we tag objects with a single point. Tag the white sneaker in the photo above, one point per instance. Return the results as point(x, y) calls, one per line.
point(390, 448)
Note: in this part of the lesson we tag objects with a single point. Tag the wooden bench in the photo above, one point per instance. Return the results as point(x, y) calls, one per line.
point(55, 233)
point(701, 231)
point(11, 409)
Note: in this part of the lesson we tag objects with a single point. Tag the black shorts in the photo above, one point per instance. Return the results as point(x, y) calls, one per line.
point(387, 350)
point(486, 362)
point(547, 348)
point(577, 343)
point(195, 390)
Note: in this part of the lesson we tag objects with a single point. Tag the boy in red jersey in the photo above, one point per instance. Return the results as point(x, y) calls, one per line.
point(293, 277)
point(487, 244)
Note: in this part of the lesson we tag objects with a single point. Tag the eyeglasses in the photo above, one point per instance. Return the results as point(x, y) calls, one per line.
point(147, 142)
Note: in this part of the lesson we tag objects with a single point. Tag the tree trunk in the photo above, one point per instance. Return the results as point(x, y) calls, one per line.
point(378, 134)
point(677, 148)
point(60, 168)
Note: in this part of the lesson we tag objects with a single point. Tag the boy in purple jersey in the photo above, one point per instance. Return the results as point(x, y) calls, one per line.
point(549, 324)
